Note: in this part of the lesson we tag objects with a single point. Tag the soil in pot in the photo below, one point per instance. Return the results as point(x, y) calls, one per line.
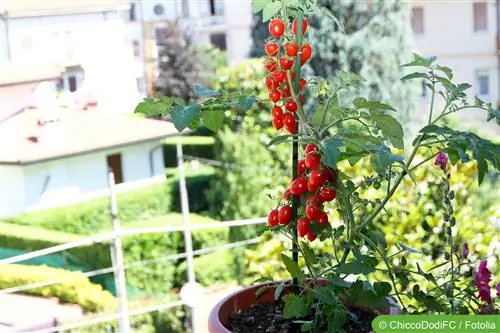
point(268, 318)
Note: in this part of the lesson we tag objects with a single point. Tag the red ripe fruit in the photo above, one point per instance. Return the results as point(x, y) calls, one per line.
point(292, 76)
point(269, 83)
point(291, 129)
point(291, 49)
point(311, 187)
point(289, 120)
point(277, 124)
point(301, 99)
point(311, 236)
point(287, 195)
point(322, 218)
point(274, 96)
point(327, 194)
point(272, 49)
point(330, 175)
point(298, 186)
point(314, 199)
point(303, 83)
point(301, 167)
point(277, 112)
point(303, 226)
point(286, 92)
point(316, 177)
point(291, 106)
point(278, 77)
point(276, 28)
point(306, 53)
point(313, 160)
point(270, 66)
point(286, 63)
point(285, 215)
point(272, 218)
point(310, 148)
point(295, 26)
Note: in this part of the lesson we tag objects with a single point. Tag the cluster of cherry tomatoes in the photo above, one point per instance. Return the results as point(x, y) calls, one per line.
point(315, 185)
point(279, 65)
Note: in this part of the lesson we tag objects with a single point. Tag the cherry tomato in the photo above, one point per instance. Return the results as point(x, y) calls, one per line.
point(311, 236)
point(276, 27)
point(298, 186)
point(295, 24)
point(330, 175)
point(312, 211)
point(278, 77)
point(277, 112)
point(317, 177)
point(327, 194)
point(272, 218)
point(287, 195)
point(286, 63)
point(311, 187)
point(302, 83)
point(303, 226)
point(285, 215)
point(278, 124)
point(270, 66)
point(289, 120)
point(270, 83)
point(291, 49)
point(301, 167)
point(322, 218)
point(272, 49)
point(286, 92)
point(306, 53)
point(314, 199)
point(313, 160)
point(291, 105)
point(274, 96)
point(311, 147)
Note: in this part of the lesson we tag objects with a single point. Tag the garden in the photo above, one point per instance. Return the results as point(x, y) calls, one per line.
point(366, 213)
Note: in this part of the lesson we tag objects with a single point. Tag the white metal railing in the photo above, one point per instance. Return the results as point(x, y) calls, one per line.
point(119, 267)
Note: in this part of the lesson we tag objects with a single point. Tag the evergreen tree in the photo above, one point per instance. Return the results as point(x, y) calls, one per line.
point(179, 63)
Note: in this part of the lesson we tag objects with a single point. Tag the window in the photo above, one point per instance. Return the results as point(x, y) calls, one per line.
point(417, 20)
point(216, 7)
point(132, 16)
point(72, 83)
point(480, 16)
point(137, 48)
point(60, 85)
point(115, 165)
point(219, 40)
point(483, 83)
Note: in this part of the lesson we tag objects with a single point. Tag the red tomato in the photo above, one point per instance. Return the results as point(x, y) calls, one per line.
point(285, 215)
point(306, 53)
point(278, 124)
point(311, 236)
point(277, 112)
point(276, 27)
point(303, 226)
point(301, 167)
point(274, 96)
point(286, 63)
point(311, 147)
point(327, 194)
point(272, 49)
point(291, 49)
point(316, 177)
point(291, 105)
point(295, 26)
point(313, 160)
point(322, 218)
point(298, 186)
point(272, 218)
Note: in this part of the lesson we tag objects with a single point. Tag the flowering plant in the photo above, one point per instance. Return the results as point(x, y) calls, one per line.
point(345, 127)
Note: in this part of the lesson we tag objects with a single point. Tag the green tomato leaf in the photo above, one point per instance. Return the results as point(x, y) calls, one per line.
point(363, 103)
point(295, 306)
point(205, 92)
point(415, 75)
point(331, 151)
point(446, 70)
point(382, 289)
point(278, 291)
point(258, 5)
point(271, 9)
point(183, 115)
point(292, 267)
point(389, 125)
point(336, 320)
point(151, 108)
point(309, 255)
point(213, 119)
point(383, 159)
point(280, 139)
point(324, 295)
point(408, 248)
point(245, 103)
point(356, 267)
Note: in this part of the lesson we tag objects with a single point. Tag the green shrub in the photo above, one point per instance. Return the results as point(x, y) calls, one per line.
point(209, 269)
point(88, 217)
point(199, 146)
point(77, 289)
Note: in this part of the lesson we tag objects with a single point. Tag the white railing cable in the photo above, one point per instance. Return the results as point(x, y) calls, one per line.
point(107, 236)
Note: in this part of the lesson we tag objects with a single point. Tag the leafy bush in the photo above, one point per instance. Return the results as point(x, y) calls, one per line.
point(88, 217)
point(199, 146)
point(77, 289)
point(209, 269)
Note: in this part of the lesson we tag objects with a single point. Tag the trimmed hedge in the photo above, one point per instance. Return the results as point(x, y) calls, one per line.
point(92, 216)
point(76, 290)
point(199, 146)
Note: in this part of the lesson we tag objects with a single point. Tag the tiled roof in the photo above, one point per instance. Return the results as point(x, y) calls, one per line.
point(69, 132)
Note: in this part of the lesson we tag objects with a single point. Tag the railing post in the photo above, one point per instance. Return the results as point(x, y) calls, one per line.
point(188, 243)
point(117, 260)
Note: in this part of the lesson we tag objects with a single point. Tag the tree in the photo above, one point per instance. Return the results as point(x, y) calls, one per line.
point(373, 40)
point(179, 63)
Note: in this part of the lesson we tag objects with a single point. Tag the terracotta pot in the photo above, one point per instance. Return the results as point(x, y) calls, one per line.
point(244, 299)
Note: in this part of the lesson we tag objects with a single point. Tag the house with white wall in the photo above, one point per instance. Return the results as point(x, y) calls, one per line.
point(86, 37)
point(464, 35)
point(225, 24)
point(55, 157)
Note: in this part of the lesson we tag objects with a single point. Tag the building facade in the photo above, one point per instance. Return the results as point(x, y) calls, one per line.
point(464, 35)
point(87, 38)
